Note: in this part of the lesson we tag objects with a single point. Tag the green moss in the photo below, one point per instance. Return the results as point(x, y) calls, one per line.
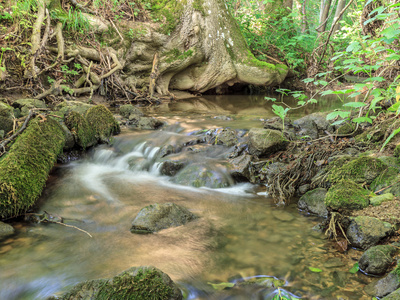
point(198, 5)
point(102, 122)
point(360, 170)
point(346, 128)
point(167, 11)
point(175, 54)
point(24, 170)
point(6, 114)
point(83, 134)
point(384, 179)
point(345, 195)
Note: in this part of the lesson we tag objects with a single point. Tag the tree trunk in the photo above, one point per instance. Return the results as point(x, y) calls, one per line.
point(304, 23)
point(205, 51)
point(340, 6)
point(324, 13)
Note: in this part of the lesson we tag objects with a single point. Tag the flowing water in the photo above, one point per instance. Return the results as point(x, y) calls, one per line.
point(240, 232)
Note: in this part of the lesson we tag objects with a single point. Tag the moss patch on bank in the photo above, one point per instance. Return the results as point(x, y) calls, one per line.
point(25, 169)
point(83, 134)
point(347, 195)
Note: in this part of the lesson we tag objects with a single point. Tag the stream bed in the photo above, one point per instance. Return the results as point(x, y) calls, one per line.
point(240, 232)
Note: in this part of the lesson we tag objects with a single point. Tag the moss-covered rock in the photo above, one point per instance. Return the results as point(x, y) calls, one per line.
point(102, 122)
point(376, 260)
point(384, 286)
point(365, 232)
point(24, 170)
point(137, 283)
point(6, 117)
point(385, 178)
point(314, 202)
point(77, 106)
point(27, 104)
point(157, 216)
point(378, 200)
point(84, 135)
point(347, 195)
point(263, 142)
point(6, 229)
point(361, 170)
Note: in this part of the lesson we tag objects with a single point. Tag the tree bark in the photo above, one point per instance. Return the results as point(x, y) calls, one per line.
point(338, 15)
point(324, 13)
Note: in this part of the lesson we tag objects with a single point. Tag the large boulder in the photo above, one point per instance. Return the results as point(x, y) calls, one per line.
point(199, 175)
point(376, 260)
point(314, 202)
point(364, 232)
point(172, 167)
point(76, 106)
point(156, 217)
point(6, 117)
point(264, 142)
point(224, 136)
point(82, 133)
point(137, 283)
point(347, 195)
point(384, 286)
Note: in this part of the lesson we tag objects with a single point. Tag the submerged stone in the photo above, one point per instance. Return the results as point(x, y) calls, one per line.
point(6, 229)
point(156, 217)
point(129, 109)
point(376, 260)
point(264, 142)
point(266, 282)
point(199, 175)
point(137, 283)
point(347, 195)
point(226, 137)
point(364, 232)
point(314, 202)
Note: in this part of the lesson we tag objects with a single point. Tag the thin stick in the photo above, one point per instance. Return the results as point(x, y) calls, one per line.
point(71, 226)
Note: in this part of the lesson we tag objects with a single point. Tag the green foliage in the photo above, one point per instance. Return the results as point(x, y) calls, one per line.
point(73, 20)
point(354, 269)
point(315, 270)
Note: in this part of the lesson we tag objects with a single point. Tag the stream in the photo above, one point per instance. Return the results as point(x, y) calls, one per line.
point(240, 232)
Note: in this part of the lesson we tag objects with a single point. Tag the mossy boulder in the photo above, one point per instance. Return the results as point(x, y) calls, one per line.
point(364, 232)
point(27, 104)
point(361, 170)
point(137, 283)
point(264, 142)
point(226, 137)
point(199, 175)
point(314, 202)
point(76, 106)
point(24, 170)
point(313, 125)
point(385, 179)
point(157, 216)
point(6, 117)
point(347, 195)
point(102, 122)
point(376, 260)
point(82, 132)
point(393, 296)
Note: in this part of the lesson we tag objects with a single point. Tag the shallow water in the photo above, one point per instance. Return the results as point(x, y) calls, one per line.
point(240, 232)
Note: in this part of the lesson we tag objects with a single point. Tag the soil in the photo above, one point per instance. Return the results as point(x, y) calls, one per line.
point(387, 211)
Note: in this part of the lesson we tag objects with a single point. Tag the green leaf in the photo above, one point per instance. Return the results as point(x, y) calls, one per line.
point(354, 269)
point(221, 286)
point(338, 122)
point(394, 107)
point(270, 99)
point(338, 113)
point(390, 137)
point(315, 270)
point(362, 120)
point(301, 103)
point(355, 104)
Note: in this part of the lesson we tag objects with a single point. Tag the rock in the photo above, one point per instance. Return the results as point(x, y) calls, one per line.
point(282, 215)
point(6, 117)
point(156, 217)
point(226, 137)
point(148, 123)
point(102, 122)
point(79, 127)
point(377, 259)
point(199, 175)
point(137, 283)
point(314, 202)
point(313, 125)
point(76, 106)
point(171, 167)
point(6, 229)
point(265, 282)
point(240, 167)
point(339, 278)
point(129, 109)
point(27, 104)
point(334, 262)
point(361, 170)
point(378, 200)
point(304, 189)
point(276, 123)
point(384, 286)
point(388, 177)
point(364, 232)
point(69, 138)
point(346, 195)
point(393, 296)
point(261, 171)
point(264, 142)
